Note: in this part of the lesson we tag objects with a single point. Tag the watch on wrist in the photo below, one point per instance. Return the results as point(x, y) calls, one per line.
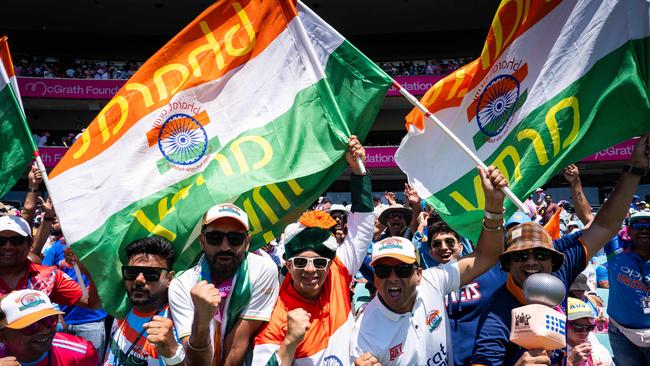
point(177, 358)
point(634, 170)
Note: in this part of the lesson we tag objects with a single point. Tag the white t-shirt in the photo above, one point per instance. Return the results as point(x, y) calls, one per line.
point(263, 276)
point(419, 337)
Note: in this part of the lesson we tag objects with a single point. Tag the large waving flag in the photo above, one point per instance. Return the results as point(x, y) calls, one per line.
point(556, 81)
point(252, 103)
point(16, 144)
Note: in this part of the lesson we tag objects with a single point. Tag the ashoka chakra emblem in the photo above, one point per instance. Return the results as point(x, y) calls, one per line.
point(497, 104)
point(182, 140)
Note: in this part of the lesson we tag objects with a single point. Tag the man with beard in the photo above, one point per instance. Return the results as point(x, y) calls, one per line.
point(530, 250)
point(146, 335)
point(219, 304)
point(28, 330)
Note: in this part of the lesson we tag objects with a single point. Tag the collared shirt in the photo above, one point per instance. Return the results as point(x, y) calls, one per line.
point(629, 282)
point(57, 285)
point(418, 337)
point(492, 346)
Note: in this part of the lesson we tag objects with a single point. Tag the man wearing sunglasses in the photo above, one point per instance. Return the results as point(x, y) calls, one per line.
point(219, 304)
point(28, 331)
point(145, 336)
point(406, 324)
point(18, 272)
point(313, 316)
point(530, 250)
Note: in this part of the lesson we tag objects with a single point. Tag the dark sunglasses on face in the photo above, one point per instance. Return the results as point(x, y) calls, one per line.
point(641, 225)
point(151, 274)
point(15, 241)
point(302, 262)
point(582, 327)
point(401, 270)
point(449, 242)
point(522, 256)
point(395, 215)
point(216, 237)
point(49, 322)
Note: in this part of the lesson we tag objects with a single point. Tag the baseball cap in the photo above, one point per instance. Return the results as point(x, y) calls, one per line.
point(25, 307)
point(337, 207)
point(16, 224)
point(640, 215)
point(526, 236)
point(578, 309)
point(516, 219)
point(223, 210)
point(396, 247)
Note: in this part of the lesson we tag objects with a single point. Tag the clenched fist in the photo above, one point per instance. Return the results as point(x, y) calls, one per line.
point(206, 299)
point(160, 333)
point(298, 322)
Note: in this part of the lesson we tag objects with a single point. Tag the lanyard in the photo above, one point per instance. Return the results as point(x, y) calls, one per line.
point(117, 362)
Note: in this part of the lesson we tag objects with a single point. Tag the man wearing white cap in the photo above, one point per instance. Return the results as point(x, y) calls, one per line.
point(221, 302)
point(406, 324)
point(28, 330)
point(17, 272)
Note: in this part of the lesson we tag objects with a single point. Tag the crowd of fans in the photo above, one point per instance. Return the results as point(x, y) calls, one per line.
point(435, 297)
point(54, 67)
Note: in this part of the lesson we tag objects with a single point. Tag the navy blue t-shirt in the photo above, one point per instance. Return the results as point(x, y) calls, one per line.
point(492, 346)
point(55, 256)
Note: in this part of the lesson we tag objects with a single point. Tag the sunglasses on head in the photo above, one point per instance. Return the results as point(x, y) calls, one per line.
point(302, 262)
point(582, 327)
point(151, 274)
point(641, 225)
point(15, 241)
point(215, 237)
point(49, 322)
point(401, 270)
point(522, 256)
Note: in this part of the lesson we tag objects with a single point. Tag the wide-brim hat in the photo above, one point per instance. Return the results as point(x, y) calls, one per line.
point(407, 212)
point(527, 236)
point(337, 208)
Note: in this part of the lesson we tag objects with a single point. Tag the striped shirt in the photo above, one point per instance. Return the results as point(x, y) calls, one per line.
point(66, 350)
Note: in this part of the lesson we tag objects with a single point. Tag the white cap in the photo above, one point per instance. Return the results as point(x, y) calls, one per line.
point(396, 247)
point(25, 307)
point(337, 207)
point(226, 210)
point(16, 224)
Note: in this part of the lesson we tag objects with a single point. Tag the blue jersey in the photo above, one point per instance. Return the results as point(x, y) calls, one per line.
point(492, 345)
point(629, 281)
point(55, 256)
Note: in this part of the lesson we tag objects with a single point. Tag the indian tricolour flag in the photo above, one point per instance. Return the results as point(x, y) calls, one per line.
point(251, 103)
point(16, 144)
point(556, 81)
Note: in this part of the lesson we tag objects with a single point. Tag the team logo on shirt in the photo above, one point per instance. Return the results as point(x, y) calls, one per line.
point(395, 352)
point(332, 361)
point(29, 300)
point(433, 320)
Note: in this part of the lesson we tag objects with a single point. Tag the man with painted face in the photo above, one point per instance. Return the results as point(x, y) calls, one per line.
point(406, 324)
point(313, 317)
point(28, 330)
point(530, 250)
point(219, 304)
point(145, 336)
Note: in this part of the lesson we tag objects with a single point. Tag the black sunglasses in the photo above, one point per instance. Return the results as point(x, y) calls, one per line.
point(582, 327)
point(151, 274)
point(522, 256)
point(401, 270)
point(15, 241)
point(317, 262)
point(216, 237)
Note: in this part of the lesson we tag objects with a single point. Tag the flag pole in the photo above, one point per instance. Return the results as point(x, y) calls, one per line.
point(455, 139)
point(46, 180)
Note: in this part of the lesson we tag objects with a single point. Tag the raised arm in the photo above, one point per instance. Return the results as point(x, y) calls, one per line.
point(415, 203)
point(490, 242)
point(43, 231)
point(34, 178)
point(608, 219)
point(583, 209)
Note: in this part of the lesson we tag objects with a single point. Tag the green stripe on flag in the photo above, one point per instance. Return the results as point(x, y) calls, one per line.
point(15, 143)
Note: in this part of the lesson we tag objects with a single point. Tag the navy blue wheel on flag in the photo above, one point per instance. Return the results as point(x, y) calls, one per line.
point(497, 104)
point(182, 140)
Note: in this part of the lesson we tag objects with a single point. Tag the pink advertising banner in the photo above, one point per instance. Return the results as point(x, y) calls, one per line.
point(68, 88)
point(416, 85)
point(381, 156)
point(52, 155)
point(622, 151)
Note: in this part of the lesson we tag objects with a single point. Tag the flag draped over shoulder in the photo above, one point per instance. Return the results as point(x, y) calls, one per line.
point(16, 146)
point(252, 103)
point(556, 81)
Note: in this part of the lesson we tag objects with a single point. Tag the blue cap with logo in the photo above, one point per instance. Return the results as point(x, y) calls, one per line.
point(516, 219)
